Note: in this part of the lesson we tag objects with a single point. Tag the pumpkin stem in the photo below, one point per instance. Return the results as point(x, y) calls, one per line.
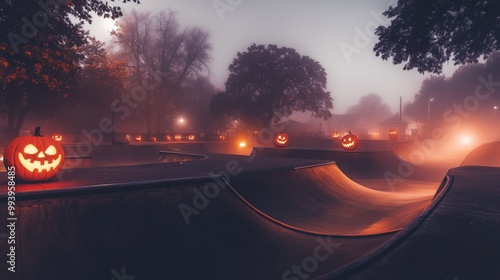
point(37, 131)
point(350, 132)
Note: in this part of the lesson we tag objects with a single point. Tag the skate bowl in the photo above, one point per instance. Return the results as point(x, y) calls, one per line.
point(485, 155)
point(257, 217)
point(127, 155)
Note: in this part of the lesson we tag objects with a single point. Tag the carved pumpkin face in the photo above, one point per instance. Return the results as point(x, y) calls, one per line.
point(393, 134)
point(222, 137)
point(178, 137)
point(57, 137)
point(191, 137)
point(138, 138)
point(335, 134)
point(466, 140)
point(350, 142)
point(128, 137)
point(35, 158)
point(168, 137)
point(280, 140)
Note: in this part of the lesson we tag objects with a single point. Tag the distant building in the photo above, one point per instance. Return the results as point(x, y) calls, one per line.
point(407, 127)
point(356, 123)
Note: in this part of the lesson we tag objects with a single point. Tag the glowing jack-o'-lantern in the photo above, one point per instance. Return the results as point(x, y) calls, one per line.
point(191, 137)
point(152, 139)
point(35, 158)
point(178, 137)
point(222, 137)
point(128, 138)
point(393, 134)
point(280, 140)
point(335, 134)
point(168, 137)
point(350, 141)
point(138, 138)
point(466, 140)
point(57, 137)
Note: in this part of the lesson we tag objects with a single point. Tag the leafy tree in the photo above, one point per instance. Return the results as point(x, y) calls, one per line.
point(269, 82)
point(426, 34)
point(194, 100)
point(372, 107)
point(466, 98)
point(40, 51)
point(97, 83)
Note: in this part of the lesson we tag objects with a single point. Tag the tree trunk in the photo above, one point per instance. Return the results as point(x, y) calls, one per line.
point(15, 122)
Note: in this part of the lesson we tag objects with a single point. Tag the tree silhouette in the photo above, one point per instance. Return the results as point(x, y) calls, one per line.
point(40, 51)
point(426, 34)
point(160, 53)
point(269, 83)
point(372, 108)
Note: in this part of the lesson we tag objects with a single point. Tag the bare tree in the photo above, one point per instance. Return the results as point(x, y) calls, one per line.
point(160, 54)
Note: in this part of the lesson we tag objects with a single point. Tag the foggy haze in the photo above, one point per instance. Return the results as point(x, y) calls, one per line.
point(339, 35)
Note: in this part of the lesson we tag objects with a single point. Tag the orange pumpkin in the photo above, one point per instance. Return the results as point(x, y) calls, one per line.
point(280, 140)
point(128, 137)
point(138, 138)
point(168, 137)
point(335, 134)
point(178, 137)
point(152, 139)
point(57, 137)
point(35, 158)
point(350, 141)
point(393, 134)
point(191, 137)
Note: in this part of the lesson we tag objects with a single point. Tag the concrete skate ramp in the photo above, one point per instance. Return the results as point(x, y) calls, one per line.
point(108, 230)
point(485, 155)
point(364, 165)
point(321, 199)
point(217, 147)
point(137, 230)
point(122, 155)
point(457, 239)
point(353, 164)
point(440, 155)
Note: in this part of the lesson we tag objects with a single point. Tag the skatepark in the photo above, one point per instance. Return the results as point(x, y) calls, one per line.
point(217, 211)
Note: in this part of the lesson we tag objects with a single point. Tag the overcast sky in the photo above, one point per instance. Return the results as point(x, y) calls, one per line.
point(320, 29)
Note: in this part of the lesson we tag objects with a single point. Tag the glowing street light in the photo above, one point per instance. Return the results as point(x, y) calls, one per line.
point(180, 122)
point(429, 110)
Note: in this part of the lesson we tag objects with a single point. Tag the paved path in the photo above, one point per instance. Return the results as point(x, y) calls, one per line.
point(264, 218)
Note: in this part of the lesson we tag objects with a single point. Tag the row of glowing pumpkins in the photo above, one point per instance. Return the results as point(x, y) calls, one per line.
point(393, 134)
point(349, 141)
point(168, 137)
point(38, 158)
point(138, 138)
point(176, 137)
